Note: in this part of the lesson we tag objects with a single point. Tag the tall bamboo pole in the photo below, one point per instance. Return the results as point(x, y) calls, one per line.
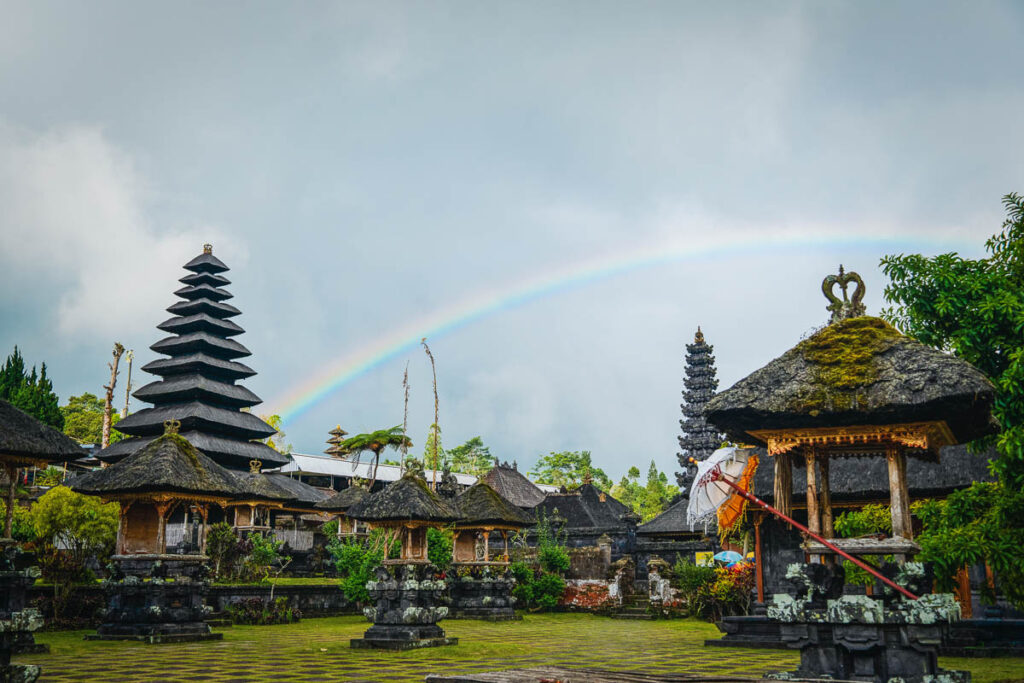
point(437, 425)
point(108, 406)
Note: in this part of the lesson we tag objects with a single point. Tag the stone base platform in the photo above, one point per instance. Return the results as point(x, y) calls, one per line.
point(385, 644)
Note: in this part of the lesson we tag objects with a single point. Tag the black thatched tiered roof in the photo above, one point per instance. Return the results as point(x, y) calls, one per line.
point(342, 500)
point(26, 440)
point(698, 439)
point(511, 485)
point(408, 499)
point(857, 371)
point(167, 464)
point(197, 385)
point(587, 508)
point(480, 505)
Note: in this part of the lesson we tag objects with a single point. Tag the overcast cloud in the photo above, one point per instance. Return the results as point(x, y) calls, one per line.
point(359, 165)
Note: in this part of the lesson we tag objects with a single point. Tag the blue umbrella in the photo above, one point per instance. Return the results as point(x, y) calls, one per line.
point(729, 556)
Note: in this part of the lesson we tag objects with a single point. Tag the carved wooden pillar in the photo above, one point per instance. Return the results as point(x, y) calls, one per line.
point(783, 490)
point(487, 545)
point(204, 513)
point(825, 497)
point(161, 527)
point(122, 527)
point(899, 497)
point(813, 513)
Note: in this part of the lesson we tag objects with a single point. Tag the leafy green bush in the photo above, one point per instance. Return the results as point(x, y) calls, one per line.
point(547, 590)
point(551, 552)
point(330, 529)
point(439, 547)
point(355, 561)
point(689, 577)
point(981, 523)
point(523, 590)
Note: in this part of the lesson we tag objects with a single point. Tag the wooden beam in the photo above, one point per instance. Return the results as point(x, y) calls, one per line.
point(865, 546)
point(783, 490)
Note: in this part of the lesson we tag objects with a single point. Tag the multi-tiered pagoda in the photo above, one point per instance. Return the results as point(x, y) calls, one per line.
point(198, 379)
point(699, 439)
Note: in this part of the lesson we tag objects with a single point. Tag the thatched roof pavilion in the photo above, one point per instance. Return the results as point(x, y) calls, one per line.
point(167, 472)
point(408, 507)
point(855, 388)
point(483, 511)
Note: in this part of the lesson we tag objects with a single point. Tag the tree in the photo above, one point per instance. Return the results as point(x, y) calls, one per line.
point(30, 392)
point(276, 441)
point(375, 442)
point(974, 308)
point(108, 403)
point(83, 419)
point(650, 500)
point(433, 451)
point(698, 439)
point(84, 525)
point(472, 457)
point(569, 469)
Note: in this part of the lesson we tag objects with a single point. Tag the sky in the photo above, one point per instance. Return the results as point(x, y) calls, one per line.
point(555, 194)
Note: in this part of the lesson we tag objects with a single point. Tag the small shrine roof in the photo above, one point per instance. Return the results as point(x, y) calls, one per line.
point(513, 486)
point(587, 507)
point(408, 499)
point(23, 436)
point(482, 505)
point(343, 499)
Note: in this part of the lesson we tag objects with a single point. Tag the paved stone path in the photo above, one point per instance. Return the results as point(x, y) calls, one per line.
point(317, 650)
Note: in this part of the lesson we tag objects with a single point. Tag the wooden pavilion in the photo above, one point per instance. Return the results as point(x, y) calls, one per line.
point(484, 512)
point(338, 505)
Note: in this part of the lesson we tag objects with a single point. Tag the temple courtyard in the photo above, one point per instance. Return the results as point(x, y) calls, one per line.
point(318, 650)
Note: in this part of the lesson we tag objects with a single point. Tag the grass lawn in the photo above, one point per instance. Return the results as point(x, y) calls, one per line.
point(317, 650)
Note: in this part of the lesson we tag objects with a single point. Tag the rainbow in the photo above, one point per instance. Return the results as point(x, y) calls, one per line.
point(483, 303)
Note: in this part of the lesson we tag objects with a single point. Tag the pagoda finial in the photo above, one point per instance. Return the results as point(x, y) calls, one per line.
point(699, 337)
point(172, 426)
point(255, 466)
point(207, 248)
point(849, 306)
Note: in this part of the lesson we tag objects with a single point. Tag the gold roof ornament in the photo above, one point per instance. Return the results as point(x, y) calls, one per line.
point(207, 248)
point(255, 466)
point(849, 306)
point(172, 426)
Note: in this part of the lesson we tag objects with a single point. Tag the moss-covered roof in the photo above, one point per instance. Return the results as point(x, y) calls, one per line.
point(482, 505)
point(167, 464)
point(859, 371)
point(407, 499)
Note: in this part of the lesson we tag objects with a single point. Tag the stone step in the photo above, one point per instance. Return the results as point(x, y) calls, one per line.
point(638, 617)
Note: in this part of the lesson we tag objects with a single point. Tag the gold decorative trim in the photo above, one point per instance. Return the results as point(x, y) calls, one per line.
point(924, 435)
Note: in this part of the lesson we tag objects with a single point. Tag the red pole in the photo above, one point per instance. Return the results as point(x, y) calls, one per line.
point(716, 475)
